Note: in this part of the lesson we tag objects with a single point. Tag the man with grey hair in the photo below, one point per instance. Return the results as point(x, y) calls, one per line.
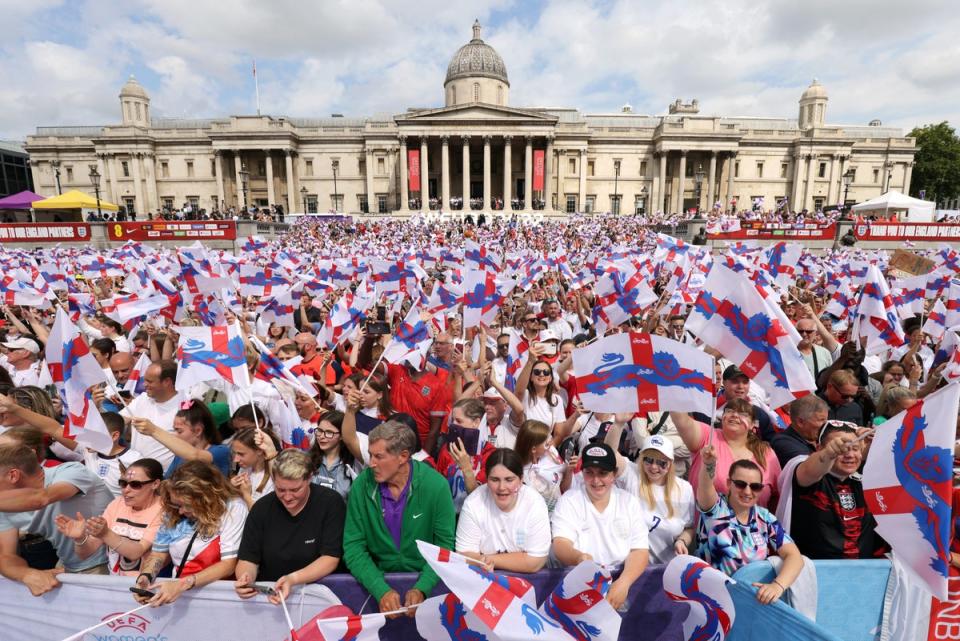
point(807, 416)
point(393, 503)
point(292, 535)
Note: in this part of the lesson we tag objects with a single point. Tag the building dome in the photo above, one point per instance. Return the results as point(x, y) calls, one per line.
point(133, 89)
point(815, 90)
point(477, 59)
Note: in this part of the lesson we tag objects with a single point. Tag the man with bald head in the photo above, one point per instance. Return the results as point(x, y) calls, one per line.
point(121, 364)
point(312, 359)
point(159, 404)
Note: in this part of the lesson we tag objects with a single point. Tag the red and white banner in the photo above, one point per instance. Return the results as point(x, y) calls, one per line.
point(758, 230)
point(44, 232)
point(907, 231)
point(944, 623)
point(173, 230)
point(413, 168)
point(538, 170)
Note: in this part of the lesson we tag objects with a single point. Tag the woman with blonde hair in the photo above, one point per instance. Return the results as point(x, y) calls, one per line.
point(203, 517)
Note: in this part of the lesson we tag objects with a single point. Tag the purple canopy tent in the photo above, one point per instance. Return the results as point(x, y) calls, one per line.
point(22, 201)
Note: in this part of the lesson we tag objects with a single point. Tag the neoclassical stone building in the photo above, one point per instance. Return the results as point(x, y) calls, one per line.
point(476, 147)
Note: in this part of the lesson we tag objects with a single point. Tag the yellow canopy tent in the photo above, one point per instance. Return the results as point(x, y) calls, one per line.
point(74, 200)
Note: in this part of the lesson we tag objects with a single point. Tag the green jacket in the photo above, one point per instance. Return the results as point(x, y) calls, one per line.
point(368, 548)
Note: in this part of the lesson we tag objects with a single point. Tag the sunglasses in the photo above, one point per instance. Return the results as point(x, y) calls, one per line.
point(806, 331)
point(742, 485)
point(530, 320)
point(655, 462)
point(136, 485)
point(843, 426)
point(542, 372)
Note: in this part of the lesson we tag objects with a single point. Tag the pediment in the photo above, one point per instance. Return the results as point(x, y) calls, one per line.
point(476, 112)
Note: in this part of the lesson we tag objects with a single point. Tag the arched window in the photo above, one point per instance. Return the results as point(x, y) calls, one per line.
point(453, 94)
point(138, 111)
point(476, 92)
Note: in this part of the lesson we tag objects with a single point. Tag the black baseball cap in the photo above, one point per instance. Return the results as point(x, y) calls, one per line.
point(599, 455)
point(733, 371)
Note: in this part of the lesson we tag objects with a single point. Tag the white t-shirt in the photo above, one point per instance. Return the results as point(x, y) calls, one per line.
point(663, 531)
point(108, 467)
point(607, 536)
point(205, 551)
point(161, 415)
point(561, 328)
point(485, 528)
point(538, 409)
point(255, 479)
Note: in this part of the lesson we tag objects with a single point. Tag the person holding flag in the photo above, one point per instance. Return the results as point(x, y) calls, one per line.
point(195, 437)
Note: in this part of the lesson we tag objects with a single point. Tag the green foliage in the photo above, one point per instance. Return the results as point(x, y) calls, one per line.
point(937, 162)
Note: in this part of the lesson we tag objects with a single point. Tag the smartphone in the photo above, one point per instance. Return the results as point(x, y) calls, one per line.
point(261, 588)
point(378, 326)
point(549, 348)
point(141, 592)
point(125, 394)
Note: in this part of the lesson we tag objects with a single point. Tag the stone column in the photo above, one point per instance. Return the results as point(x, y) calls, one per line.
point(486, 173)
point(424, 176)
point(293, 193)
point(582, 192)
point(238, 164)
point(712, 183)
point(106, 185)
point(528, 176)
point(271, 194)
point(141, 206)
point(661, 187)
point(218, 167)
point(731, 170)
point(830, 185)
point(681, 180)
point(795, 204)
point(507, 172)
point(153, 201)
point(466, 174)
point(371, 194)
point(404, 194)
point(117, 174)
point(907, 175)
point(548, 176)
point(445, 173)
point(843, 168)
point(808, 189)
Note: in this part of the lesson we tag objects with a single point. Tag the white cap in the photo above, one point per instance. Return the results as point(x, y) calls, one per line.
point(492, 393)
point(660, 443)
point(548, 335)
point(23, 343)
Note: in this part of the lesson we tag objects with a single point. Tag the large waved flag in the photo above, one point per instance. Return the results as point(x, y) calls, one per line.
point(936, 323)
point(780, 262)
point(953, 304)
point(270, 368)
point(636, 372)
point(483, 296)
point(283, 306)
point(517, 354)
point(211, 353)
point(579, 605)
point(908, 485)
point(876, 317)
point(352, 628)
point(690, 580)
point(136, 382)
point(74, 370)
point(446, 618)
point(346, 315)
point(618, 300)
point(731, 317)
point(130, 307)
point(948, 352)
point(411, 341)
point(476, 257)
point(505, 604)
point(260, 281)
point(443, 298)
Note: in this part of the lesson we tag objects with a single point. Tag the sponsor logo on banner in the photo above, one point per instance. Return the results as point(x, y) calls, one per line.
point(132, 627)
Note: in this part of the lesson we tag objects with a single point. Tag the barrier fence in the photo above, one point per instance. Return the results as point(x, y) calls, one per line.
point(850, 604)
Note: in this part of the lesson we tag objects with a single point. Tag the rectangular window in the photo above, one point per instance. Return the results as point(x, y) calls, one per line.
point(362, 167)
point(876, 176)
point(571, 203)
point(69, 174)
point(759, 170)
point(362, 199)
point(337, 201)
point(822, 171)
point(129, 204)
point(164, 169)
point(214, 202)
point(213, 167)
point(643, 167)
point(591, 204)
point(853, 175)
point(615, 203)
point(126, 168)
point(168, 203)
point(573, 166)
point(194, 202)
point(783, 170)
point(818, 204)
point(382, 203)
point(261, 167)
point(308, 170)
point(591, 165)
point(190, 169)
point(688, 170)
point(311, 204)
point(639, 204)
point(382, 166)
point(736, 169)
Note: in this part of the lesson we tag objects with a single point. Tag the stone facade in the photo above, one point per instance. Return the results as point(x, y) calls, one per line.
point(620, 161)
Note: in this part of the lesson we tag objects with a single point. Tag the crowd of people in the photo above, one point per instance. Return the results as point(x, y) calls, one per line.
point(505, 467)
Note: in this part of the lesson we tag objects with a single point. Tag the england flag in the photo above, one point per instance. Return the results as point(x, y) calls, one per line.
point(211, 353)
point(690, 580)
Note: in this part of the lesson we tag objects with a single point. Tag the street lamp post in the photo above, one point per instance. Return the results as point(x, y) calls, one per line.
point(847, 179)
point(95, 181)
point(616, 178)
point(698, 179)
point(244, 178)
point(56, 174)
point(303, 196)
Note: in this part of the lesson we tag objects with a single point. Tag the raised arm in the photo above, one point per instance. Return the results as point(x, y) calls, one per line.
point(689, 430)
point(706, 492)
point(171, 441)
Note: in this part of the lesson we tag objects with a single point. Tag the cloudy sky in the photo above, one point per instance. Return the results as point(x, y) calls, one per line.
point(63, 62)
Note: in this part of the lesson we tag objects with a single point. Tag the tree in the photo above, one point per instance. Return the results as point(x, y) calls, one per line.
point(937, 162)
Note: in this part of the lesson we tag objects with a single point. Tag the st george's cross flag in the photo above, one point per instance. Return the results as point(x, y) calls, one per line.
point(346, 315)
point(908, 485)
point(410, 342)
point(690, 580)
point(339, 623)
point(731, 316)
point(483, 295)
point(506, 605)
point(446, 618)
point(211, 353)
point(637, 372)
point(74, 370)
point(876, 316)
point(136, 381)
point(936, 323)
point(579, 605)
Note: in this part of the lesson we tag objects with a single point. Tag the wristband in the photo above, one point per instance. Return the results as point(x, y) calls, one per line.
point(779, 585)
point(85, 537)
